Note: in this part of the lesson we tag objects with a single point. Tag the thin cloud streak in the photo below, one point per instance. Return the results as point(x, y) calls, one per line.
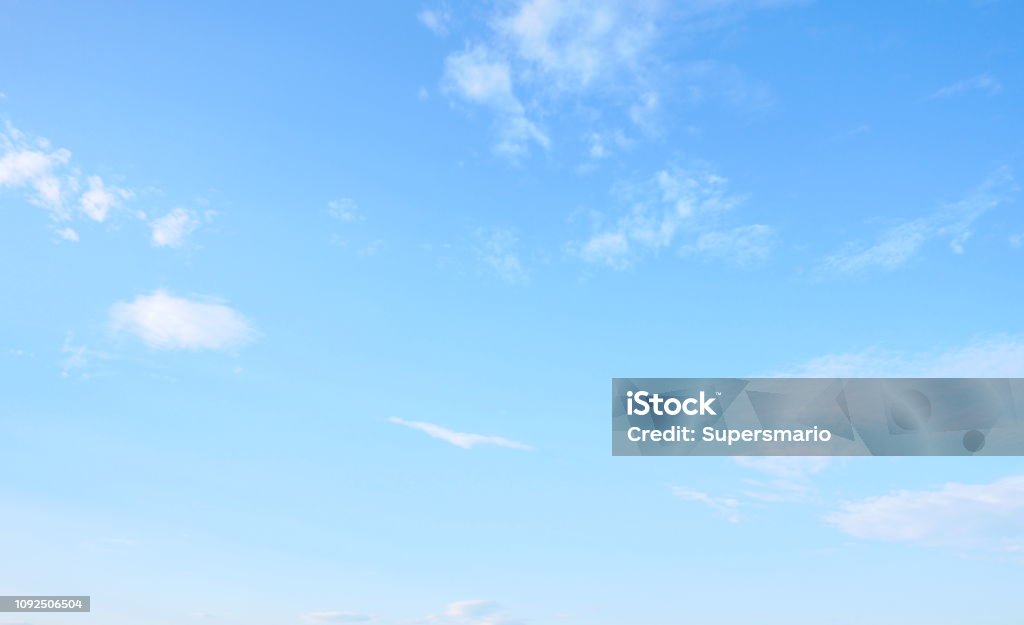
point(465, 440)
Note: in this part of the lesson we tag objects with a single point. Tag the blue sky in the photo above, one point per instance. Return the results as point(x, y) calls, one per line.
point(310, 312)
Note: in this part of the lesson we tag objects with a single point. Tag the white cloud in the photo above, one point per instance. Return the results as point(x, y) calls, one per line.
point(984, 82)
point(645, 111)
point(572, 44)
point(788, 478)
point(726, 507)
point(999, 356)
point(497, 249)
point(1016, 240)
point(603, 144)
point(546, 50)
point(75, 356)
point(464, 440)
point(437, 21)
point(172, 229)
point(549, 47)
point(100, 199)
point(471, 612)
point(894, 247)
point(609, 248)
point(744, 245)
point(471, 608)
point(164, 321)
point(344, 209)
point(33, 165)
point(963, 516)
point(786, 467)
point(480, 76)
point(50, 181)
point(679, 209)
point(785, 480)
point(338, 617)
point(597, 146)
point(68, 234)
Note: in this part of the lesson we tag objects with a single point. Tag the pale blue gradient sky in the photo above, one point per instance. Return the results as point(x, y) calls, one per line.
point(243, 249)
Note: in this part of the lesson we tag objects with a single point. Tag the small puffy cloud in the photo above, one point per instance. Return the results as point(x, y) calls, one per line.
point(479, 76)
point(100, 199)
point(465, 440)
point(609, 248)
point(338, 617)
point(164, 321)
point(172, 229)
point(602, 144)
point(988, 516)
point(984, 83)
point(897, 245)
point(344, 209)
point(437, 21)
point(68, 234)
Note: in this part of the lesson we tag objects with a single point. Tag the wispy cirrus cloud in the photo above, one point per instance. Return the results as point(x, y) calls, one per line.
point(784, 480)
point(983, 83)
point(471, 612)
point(743, 245)
point(899, 244)
point(548, 49)
point(725, 507)
point(677, 209)
point(465, 440)
point(535, 52)
point(338, 617)
point(994, 356)
point(571, 45)
point(479, 76)
point(988, 517)
point(345, 209)
point(498, 250)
